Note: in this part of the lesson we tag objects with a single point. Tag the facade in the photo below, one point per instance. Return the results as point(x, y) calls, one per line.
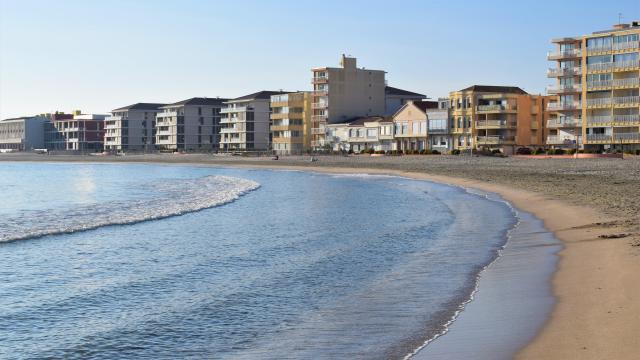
point(342, 93)
point(438, 125)
point(22, 134)
point(245, 122)
point(374, 132)
point(410, 123)
point(189, 125)
point(496, 117)
point(291, 122)
point(131, 128)
point(75, 132)
point(396, 98)
point(597, 90)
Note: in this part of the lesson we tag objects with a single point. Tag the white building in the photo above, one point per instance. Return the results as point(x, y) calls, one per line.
point(245, 122)
point(131, 127)
point(375, 132)
point(191, 125)
point(21, 134)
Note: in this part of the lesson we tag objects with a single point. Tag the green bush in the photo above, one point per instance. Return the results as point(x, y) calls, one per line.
point(571, 151)
point(538, 151)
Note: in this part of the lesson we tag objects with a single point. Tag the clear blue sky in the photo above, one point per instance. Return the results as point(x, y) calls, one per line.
point(99, 55)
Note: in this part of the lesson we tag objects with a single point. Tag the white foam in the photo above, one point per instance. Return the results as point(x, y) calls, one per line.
point(172, 197)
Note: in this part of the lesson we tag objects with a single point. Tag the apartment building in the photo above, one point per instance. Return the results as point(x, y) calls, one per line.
point(496, 117)
point(189, 125)
point(245, 122)
point(371, 132)
point(597, 99)
point(410, 123)
point(75, 132)
point(131, 127)
point(395, 98)
point(438, 125)
point(22, 134)
point(291, 122)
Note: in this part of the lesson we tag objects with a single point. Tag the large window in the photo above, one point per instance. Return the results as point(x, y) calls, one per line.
point(600, 42)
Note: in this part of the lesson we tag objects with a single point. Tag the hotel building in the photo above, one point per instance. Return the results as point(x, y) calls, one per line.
point(22, 134)
point(75, 132)
point(131, 128)
point(245, 122)
point(496, 117)
point(189, 125)
point(371, 132)
point(291, 122)
point(597, 90)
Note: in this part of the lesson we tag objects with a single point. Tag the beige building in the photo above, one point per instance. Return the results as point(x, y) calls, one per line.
point(410, 123)
point(189, 125)
point(597, 99)
point(496, 117)
point(131, 128)
point(372, 132)
point(291, 122)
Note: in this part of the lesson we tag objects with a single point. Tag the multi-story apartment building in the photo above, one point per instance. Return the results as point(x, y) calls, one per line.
point(597, 90)
point(342, 93)
point(371, 132)
point(410, 123)
point(131, 127)
point(245, 122)
point(291, 122)
point(189, 125)
point(75, 132)
point(24, 133)
point(438, 125)
point(496, 117)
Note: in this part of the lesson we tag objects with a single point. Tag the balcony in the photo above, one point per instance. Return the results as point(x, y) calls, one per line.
point(598, 49)
point(438, 131)
point(559, 72)
point(320, 93)
point(114, 118)
point(318, 131)
point(599, 67)
point(320, 105)
point(626, 45)
point(280, 128)
point(626, 83)
point(563, 106)
point(562, 140)
point(495, 108)
point(566, 54)
point(228, 130)
point(319, 79)
point(320, 118)
point(599, 138)
point(620, 138)
point(625, 101)
point(626, 120)
point(564, 89)
point(495, 139)
point(568, 122)
point(604, 120)
point(599, 85)
point(626, 65)
point(596, 103)
point(234, 109)
point(495, 124)
point(167, 114)
point(229, 120)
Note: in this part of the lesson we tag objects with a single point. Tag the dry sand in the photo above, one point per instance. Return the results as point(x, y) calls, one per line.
point(598, 281)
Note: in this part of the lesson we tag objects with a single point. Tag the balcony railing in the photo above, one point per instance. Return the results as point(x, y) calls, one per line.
point(228, 130)
point(599, 84)
point(496, 139)
point(495, 124)
point(318, 117)
point(602, 120)
point(318, 131)
point(626, 45)
point(319, 79)
point(165, 114)
point(626, 137)
point(555, 55)
point(564, 122)
point(630, 82)
point(600, 67)
point(230, 120)
point(624, 65)
point(559, 106)
point(556, 72)
point(559, 89)
point(595, 49)
point(625, 100)
point(320, 92)
point(599, 102)
point(320, 105)
point(562, 139)
point(599, 137)
point(492, 108)
point(633, 119)
point(232, 109)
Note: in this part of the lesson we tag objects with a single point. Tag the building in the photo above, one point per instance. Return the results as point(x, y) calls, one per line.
point(291, 122)
point(597, 97)
point(438, 125)
point(371, 132)
point(22, 134)
point(189, 125)
point(75, 132)
point(131, 128)
point(410, 123)
point(343, 93)
point(245, 122)
point(496, 117)
point(395, 98)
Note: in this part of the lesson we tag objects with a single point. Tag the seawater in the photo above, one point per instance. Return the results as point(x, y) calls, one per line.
point(150, 261)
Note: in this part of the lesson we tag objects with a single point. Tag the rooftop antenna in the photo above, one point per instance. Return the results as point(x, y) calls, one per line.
point(619, 18)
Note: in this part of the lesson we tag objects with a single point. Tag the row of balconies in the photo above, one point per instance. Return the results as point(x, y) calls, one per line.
point(504, 124)
point(495, 108)
point(614, 47)
point(616, 120)
point(616, 83)
point(606, 102)
point(632, 137)
point(614, 66)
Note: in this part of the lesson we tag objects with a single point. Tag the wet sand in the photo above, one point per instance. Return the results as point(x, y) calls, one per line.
point(591, 205)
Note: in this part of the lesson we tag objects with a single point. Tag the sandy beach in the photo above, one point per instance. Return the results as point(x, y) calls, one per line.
point(591, 205)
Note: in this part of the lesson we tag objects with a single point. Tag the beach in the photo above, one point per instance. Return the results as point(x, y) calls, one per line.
point(591, 205)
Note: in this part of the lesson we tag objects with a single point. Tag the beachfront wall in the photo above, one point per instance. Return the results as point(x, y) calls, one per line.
point(597, 90)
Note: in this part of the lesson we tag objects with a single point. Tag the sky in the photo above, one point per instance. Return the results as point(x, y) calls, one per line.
point(100, 55)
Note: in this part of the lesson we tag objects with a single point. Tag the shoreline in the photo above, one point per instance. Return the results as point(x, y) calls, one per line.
point(597, 313)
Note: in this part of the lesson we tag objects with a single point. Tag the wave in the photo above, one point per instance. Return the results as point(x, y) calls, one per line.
point(169, 198)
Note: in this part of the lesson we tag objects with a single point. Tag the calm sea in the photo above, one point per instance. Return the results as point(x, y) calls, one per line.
point(149, 261)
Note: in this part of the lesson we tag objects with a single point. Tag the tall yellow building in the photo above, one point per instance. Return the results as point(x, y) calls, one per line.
point(597, 99)
point(291, 122)
point(496, 117)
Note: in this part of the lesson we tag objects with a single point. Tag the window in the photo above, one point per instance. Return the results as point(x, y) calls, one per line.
point(405, 128)
point(372, 133)
point(415, 128)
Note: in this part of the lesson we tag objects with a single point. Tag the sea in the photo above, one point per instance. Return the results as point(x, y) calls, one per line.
point(150, 261)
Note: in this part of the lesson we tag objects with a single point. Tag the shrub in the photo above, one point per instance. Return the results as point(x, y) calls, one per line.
point(427, 152)
point(454, 152)
point(538, 151)
point(371, 150)
point(571, 151)
point(423, 152)
point(559, 152)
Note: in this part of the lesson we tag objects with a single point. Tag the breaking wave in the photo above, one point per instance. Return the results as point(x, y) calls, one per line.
point(170, 198)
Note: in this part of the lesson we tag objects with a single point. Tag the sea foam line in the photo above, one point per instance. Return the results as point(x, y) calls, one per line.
point(173, 198)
